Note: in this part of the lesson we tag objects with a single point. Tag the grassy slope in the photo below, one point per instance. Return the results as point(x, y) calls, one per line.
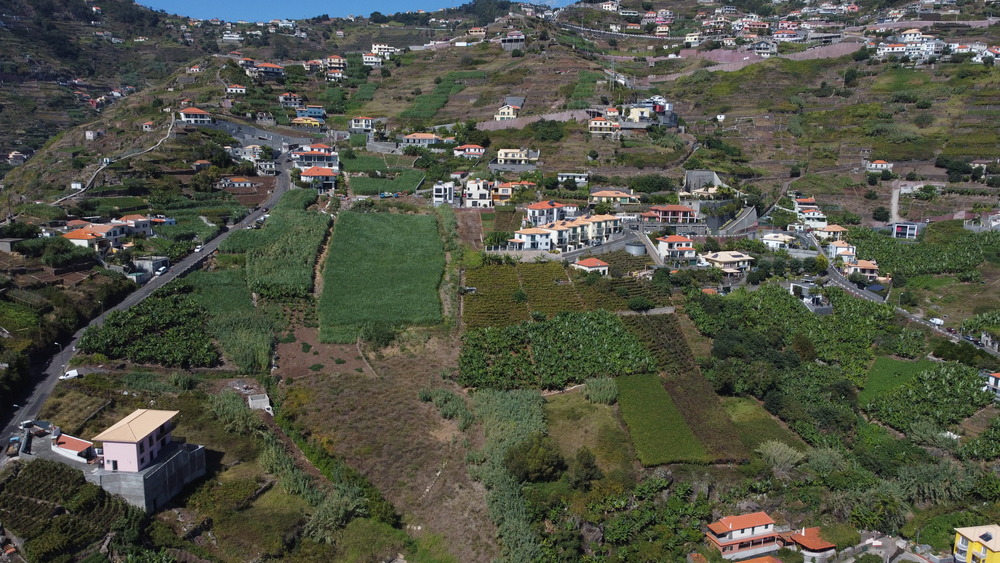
point(656, 425)
point(888, 373)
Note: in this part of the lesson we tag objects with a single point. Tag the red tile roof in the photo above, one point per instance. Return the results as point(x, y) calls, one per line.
point(729, 523)
point(591, 263)
point(72, 444)
point(675, 238)
point(811, 540)
point(194, 111)
point(318, 171)
point(546, 205)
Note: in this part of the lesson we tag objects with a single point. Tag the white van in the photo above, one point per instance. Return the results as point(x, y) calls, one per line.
point(162, 270)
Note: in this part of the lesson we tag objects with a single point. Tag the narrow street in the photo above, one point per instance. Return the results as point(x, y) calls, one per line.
point(49, 377)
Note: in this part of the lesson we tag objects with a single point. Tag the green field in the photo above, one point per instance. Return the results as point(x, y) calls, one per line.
point(405, 181)
point(755, 425)
point(888, 373)
point(657, 428)
point(381, 268)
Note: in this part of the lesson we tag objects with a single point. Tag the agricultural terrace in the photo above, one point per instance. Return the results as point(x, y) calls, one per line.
point(401, 181)
point(382, 268)
point(886, 374)
point(551, 354)
point(961, 254)
point(244, 332)
point(49, 504)
point(425, 106)
point(691, 392)
point(281, 257)
point(657, 427)
point(506, 294)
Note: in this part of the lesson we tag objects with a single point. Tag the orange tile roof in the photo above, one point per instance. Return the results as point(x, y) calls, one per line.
point(76, 223)
point(320, 146)
point(546, 205)
point(362, 117)
point(318, 171)
point(729, 523)
point(422, 136)
point(81, 234)
point(765, 559)
point(675, 238)
point(811, 540)
point(465, 147)
point(133, 217)
point(613, 193)
point(591, 263)
point(710, 291)
point(532, 231)
point(269, 65)
point(866, 265)
point(833, 229)
point(598, 119)
point(72, 444)
point(194, 111)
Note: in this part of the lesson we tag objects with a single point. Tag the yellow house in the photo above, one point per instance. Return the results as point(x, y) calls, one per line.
point(307, 122)
point(977, 544)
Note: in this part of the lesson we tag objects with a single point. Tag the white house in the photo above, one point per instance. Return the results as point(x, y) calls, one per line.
point(372, 60)
point(835, 232)
point(383, 50)
point(195, 116)
point(676, 250)
point(443, 193)
point(506, 113)
point(236, 89)
point(777, 241)
point(478, 193)
point(591, 265)
point(469, 151)
point(362, 124)
point(550, 211)
point(877, 166)
point(319, 177)
point(580, 178)
point(731, 263)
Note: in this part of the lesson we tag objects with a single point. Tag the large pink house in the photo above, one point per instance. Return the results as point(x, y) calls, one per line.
point(133, 443)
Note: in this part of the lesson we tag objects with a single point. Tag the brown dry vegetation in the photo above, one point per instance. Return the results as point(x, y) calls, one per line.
point(380, 426)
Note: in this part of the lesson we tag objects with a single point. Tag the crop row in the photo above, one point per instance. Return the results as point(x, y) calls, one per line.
point(493, 303)
point(549, 289)
point(381, 268)
point(690, 391)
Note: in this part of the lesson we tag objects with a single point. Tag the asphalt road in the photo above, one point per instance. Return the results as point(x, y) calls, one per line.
point(31, 406)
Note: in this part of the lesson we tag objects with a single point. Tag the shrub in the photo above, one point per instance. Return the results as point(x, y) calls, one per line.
point(601, 390)
point(535, 459)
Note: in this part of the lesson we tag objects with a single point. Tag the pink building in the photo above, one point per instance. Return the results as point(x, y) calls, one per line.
point(133, 443)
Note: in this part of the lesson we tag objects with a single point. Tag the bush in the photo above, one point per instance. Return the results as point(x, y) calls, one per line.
point(535, 459)
point(601, 390)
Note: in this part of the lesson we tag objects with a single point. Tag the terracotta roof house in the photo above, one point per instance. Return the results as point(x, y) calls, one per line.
point(591, 265)
point(737, 537)
point(810, 542)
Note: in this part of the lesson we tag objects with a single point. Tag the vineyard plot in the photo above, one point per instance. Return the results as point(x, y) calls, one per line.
point(549, 289)
point(494, 303)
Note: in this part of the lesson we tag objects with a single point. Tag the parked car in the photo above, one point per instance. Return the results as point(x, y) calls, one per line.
point(198, 248)
point(71, 374)
point(162, 270)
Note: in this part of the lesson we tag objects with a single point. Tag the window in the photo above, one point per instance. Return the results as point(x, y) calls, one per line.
point(142, 447)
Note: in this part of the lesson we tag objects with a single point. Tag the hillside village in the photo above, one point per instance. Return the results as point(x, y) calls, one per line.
point(610, 281)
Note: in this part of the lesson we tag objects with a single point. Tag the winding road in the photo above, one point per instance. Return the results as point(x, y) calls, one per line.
point(44, 385)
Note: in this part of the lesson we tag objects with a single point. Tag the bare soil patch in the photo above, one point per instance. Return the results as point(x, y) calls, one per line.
point(470, 227)
point(380, 427)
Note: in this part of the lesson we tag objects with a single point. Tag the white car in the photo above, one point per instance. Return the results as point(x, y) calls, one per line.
point(71, 374)
point(198, 248)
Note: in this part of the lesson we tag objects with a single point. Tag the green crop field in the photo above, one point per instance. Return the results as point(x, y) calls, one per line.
point(755, 425)
point(888, 373)
point(381, 268)
point(657, 428)
point(405, 181)
point(281, 257)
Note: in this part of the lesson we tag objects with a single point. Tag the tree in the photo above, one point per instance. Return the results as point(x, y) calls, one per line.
point(535, 459)
point(880, 214)
point(604, 208)
point(584, 469)
point(711, 245)
point(640, 303)
point(780, 456)
point(820, 265)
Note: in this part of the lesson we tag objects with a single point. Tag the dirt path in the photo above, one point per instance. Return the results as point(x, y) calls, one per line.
point(470, 227)
point(321, 262)
point(894, 204)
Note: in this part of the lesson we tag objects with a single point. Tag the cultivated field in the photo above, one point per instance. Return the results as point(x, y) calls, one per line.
point(888, 373)
point(657, 427)
point(383, 269)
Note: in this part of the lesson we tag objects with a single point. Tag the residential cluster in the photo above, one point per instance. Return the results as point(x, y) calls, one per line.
point(920, 47)
point(652, 111)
